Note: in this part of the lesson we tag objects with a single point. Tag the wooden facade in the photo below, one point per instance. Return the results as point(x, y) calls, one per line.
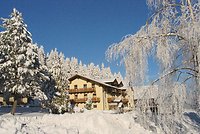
point(104, 96)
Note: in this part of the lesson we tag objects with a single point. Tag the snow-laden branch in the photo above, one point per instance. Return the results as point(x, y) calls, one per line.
point(176, 70)
point(158, 35)
point(162, 9)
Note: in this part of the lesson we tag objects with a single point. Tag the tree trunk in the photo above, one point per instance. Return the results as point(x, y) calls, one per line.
point(14, 106)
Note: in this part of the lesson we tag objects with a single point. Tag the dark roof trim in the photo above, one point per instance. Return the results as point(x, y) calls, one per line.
point(93, 80)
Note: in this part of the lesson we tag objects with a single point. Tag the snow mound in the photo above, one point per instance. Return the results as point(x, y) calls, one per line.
point(89, 122)
point(192, 121)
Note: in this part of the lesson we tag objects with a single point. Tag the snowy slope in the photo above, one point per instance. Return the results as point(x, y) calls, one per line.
point(89, 122)
point(192, 121)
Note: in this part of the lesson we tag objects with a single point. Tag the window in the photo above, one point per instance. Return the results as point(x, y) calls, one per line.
point(76, 96)
point(94, 106)
point(75, 87)
point(85, 86)
point(94, 95)
point(85, 95)
point(93, 85)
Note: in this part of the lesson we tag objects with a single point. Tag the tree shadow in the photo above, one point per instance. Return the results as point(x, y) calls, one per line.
point(194, 117)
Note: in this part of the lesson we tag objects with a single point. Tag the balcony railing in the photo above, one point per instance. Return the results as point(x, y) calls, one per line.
point(95, 99)
point(111, 100)
point(124, 100)
point(83, 100)
point(80, 100)
point(81, 90)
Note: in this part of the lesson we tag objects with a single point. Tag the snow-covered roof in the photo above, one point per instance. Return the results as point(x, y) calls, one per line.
point(111, 80)
point(107, 80)
point(94, 80)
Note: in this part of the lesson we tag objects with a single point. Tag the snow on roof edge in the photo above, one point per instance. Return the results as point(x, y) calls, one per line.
point(98, 81)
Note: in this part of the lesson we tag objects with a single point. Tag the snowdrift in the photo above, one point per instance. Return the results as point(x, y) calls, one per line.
point(89, 122)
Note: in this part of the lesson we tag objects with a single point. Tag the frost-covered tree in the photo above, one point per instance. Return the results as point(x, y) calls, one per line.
point(106, 72)
point(20, 68)
point(74, 66)
point(67, 67)
point(90, 68)
point(82, 69)
point(97, 72)
point(171, 36)
point(41, 56)
point(56, 65)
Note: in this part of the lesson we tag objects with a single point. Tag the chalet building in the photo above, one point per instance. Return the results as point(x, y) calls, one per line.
point(105, 94)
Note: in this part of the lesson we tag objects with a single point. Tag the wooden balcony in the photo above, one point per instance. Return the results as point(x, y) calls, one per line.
point(111, 100)
point(80, 100)
point(83, 100)
point(81, 90)
point(95, 99)
point(124, 100)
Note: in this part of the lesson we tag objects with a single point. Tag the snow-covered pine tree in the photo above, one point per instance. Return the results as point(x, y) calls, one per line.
point(67, 68)
point(81, 69)
point(90, 69)
point(74, 66)
point(56, 65)
point(41, 56)
point(85, 70)
point(96, 72)
point(106, 72)
point(48, 86)
point(19, 64)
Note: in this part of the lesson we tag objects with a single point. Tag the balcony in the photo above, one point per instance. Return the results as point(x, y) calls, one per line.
point(83, 100)
point(124, 100)
point(81, 90)
point(95, 99)
point(111, 100)
point(80, 100)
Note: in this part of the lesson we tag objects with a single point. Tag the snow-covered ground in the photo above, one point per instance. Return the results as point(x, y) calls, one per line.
point(89, 122)
point(192, 121)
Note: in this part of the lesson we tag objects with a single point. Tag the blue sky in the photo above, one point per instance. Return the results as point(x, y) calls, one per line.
point(80, 28)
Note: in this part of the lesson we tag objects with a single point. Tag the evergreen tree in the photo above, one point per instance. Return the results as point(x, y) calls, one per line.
point(56, 66)
point(67, 67)
point(41, 56)
point(20, 68)
point(74, 66)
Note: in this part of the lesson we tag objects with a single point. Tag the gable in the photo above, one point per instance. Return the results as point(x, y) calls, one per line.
point(78, 78)
point(97, 82)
